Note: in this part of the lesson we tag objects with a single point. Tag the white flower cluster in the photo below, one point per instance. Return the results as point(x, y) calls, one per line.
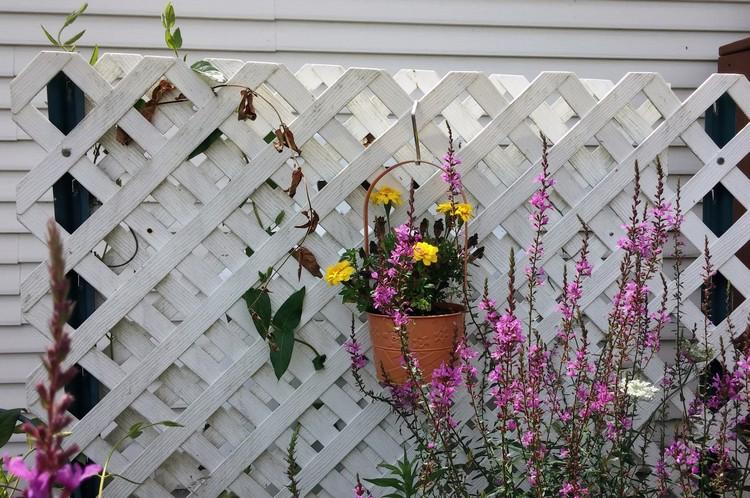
point(639, 388)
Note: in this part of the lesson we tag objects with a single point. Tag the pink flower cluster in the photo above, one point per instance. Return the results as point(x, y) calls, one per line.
point(450, 175)
point(395, 268)
point(445, 381)
point(355, 353)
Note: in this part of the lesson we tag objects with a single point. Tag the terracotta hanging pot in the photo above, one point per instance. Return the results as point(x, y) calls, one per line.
point(432, 341)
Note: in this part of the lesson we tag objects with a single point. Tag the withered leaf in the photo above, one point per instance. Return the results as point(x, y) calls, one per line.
point(312, 221)
point(473, 240)
point(424, 226)
point(285, 138)
point(306, 260)
point(438, 228)
point(297, 176)
point(246, 109)
point(278, 144)
point(477, 254)
point(289, 138)
point(148, 109)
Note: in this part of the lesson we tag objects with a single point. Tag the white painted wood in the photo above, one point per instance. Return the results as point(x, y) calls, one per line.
point(184, 347)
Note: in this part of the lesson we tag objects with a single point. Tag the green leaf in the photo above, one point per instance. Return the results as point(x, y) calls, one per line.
point(279, 218)
point(209, 71)
point(386, 482)
point(8, 420)
point(51, 38)
point(205, 144)
point(290, 312)
point(319, 362)
point(73, 39)
point(74, 15)
point(169, 423)
point(177, 39)
point(94, 55)
point(259, 305)
point(135, 430)
point(168, 16)
point(284, 345)
point(168, 40)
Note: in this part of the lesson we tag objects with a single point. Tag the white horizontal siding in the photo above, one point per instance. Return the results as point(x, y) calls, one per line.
point(593, 38)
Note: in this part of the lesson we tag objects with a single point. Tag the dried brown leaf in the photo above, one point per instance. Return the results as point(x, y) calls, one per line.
point(285, 138)
point(312, 221)
point(297, 176)
point(149, 108)
point(279, 142)
point(246, 109)
point(289, 139)
point(306, 260)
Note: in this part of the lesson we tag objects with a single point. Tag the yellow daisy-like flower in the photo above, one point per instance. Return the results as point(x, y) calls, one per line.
point(386, 195)
point(426, 253)
point(445, 208)
point(340, 272)
point(461, 210)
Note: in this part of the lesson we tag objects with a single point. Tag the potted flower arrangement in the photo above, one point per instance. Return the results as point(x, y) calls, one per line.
point(411, 279)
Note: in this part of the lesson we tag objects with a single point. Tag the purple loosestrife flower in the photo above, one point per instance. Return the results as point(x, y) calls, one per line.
point(360, 491)
point(684, 456)
point(445, 381)
point(404, 396)
point(450, 161)
point(573, 490)
point(355, 353)
point(539, 219)
point(51, 465)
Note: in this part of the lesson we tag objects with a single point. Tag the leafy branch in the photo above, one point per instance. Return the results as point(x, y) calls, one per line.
point(69, 45)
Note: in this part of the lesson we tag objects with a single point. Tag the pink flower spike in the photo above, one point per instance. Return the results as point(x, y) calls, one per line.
point(72, 475)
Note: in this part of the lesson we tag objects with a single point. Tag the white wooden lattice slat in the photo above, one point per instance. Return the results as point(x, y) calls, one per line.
point(184, 346)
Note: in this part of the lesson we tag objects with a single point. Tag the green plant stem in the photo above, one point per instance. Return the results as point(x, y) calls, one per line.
point(302, 341)
point(103, 475)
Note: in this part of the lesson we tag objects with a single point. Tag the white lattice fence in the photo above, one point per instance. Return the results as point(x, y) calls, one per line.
point(171, 338)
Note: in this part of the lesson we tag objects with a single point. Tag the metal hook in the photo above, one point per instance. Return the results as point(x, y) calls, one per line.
point(415, 131)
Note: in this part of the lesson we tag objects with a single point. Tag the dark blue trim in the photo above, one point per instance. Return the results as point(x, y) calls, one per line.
point(65, 103)
point(718, 204)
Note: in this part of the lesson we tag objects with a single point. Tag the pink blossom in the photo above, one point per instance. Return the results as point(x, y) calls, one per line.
point(355, 353)
point(71, 476)
point(445, 381)
point(450, 175)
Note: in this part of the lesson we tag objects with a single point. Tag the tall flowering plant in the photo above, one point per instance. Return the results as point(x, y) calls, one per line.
point(514, 415)
point(52, 468)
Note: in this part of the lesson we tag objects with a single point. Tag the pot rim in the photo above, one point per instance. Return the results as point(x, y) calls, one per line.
point(422, 317)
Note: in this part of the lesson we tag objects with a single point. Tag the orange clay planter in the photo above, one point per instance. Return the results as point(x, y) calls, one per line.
point(432, 338)
point(432, 341)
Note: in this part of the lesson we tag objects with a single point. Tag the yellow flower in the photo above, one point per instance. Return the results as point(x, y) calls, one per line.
point(444, 208)
point(340, 272)
point(426, 253)
point(387, 195)
point(461, 210)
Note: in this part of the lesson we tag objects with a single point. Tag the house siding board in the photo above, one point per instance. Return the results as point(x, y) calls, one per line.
point(593, 38)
